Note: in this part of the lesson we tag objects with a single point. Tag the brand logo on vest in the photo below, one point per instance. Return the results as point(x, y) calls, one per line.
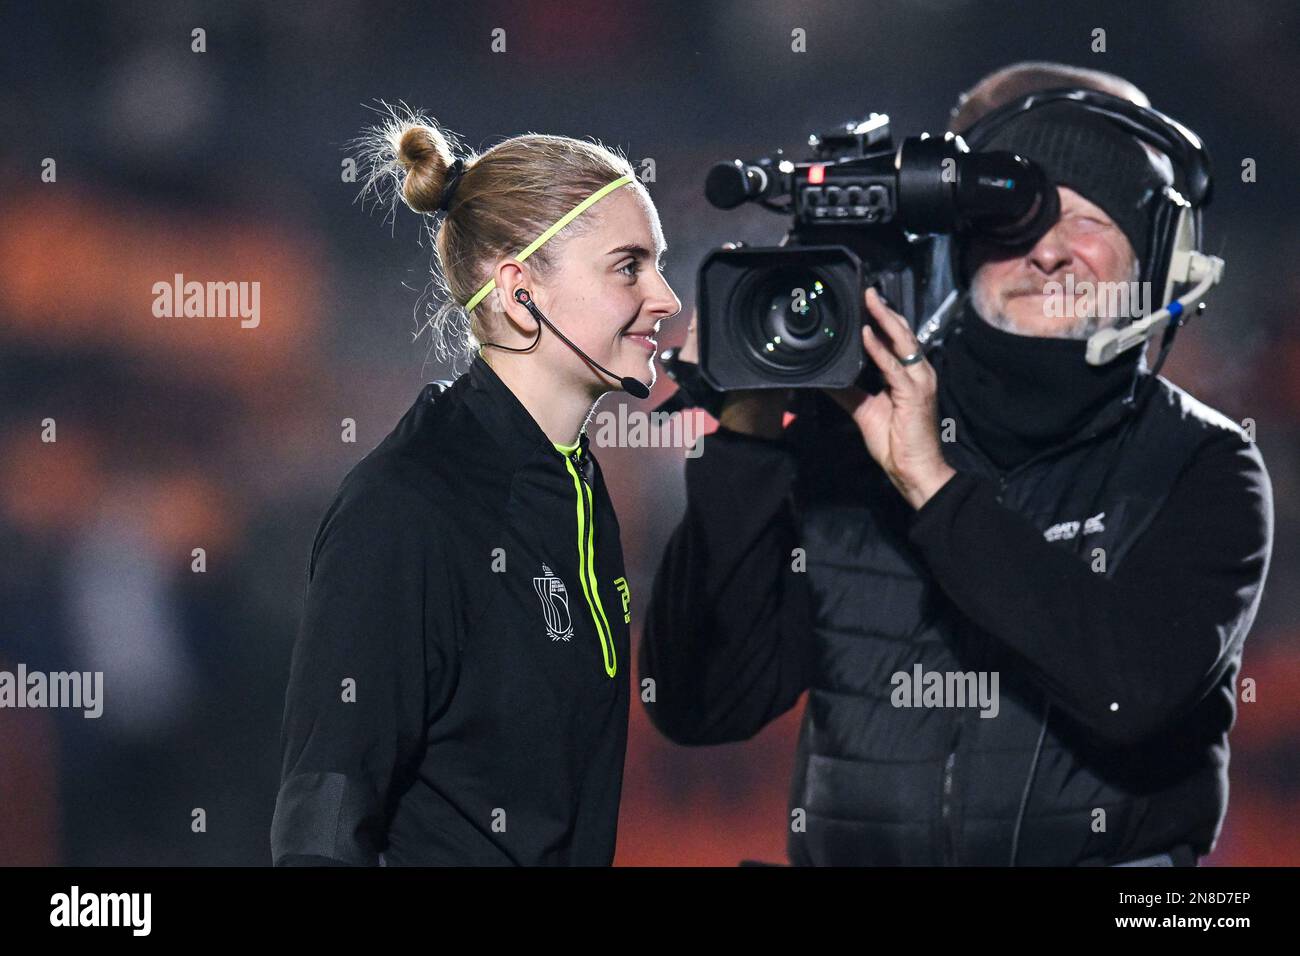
point(1068, 530)
point(555, 605)
point(621, 584)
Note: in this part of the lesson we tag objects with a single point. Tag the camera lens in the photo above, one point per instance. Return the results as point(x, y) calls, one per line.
point(790, 324)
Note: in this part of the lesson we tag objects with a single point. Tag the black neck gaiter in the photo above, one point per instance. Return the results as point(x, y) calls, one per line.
point(1021, 394)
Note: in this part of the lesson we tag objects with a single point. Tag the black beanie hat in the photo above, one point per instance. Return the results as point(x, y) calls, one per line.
point(1093, 157)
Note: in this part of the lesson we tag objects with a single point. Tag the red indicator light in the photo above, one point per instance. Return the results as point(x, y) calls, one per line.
point(816, 175)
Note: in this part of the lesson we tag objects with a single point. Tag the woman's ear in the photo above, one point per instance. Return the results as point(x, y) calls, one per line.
point(511, 275)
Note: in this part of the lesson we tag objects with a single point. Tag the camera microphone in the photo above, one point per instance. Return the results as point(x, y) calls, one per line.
point(730, 184)
point(632, 386)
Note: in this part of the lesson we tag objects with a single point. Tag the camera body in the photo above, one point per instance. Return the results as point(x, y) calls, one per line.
point(864, 214)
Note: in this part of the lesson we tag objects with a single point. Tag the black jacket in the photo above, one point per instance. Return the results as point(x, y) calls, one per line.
point(1110, 581)
point(458, 691)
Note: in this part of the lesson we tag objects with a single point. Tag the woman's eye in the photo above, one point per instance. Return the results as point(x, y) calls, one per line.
point(631, 265)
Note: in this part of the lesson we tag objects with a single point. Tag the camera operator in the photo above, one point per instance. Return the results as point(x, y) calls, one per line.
point(1089, 540)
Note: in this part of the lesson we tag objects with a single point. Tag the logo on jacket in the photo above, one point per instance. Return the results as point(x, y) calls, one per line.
point(555, 605)
point(621, 584)
point(1068, 530)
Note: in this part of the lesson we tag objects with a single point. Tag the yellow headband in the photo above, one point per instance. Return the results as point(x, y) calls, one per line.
point(556, 227)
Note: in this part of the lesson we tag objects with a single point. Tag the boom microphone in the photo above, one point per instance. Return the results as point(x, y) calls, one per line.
point(630, 385)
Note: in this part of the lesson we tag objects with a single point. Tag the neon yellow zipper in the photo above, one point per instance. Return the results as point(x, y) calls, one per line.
point(587, 567)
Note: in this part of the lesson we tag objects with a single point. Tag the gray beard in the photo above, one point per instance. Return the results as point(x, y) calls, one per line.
point(1080, 327)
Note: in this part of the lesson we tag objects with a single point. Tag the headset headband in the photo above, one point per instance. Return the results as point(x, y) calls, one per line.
point(555, 227)
point(1180, 144)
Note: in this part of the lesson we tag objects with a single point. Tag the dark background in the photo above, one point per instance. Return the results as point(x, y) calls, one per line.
point(226, 165)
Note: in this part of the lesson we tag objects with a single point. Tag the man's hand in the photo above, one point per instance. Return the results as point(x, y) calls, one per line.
point(899, 423)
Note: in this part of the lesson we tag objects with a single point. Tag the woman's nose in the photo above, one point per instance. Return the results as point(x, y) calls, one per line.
point(666, 302)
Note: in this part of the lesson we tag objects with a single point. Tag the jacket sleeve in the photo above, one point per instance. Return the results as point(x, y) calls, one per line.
point(373, 658)
point(727, 629)
point(1129, 654)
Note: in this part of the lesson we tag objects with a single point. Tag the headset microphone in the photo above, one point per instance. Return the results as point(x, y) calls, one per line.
point(630, 385)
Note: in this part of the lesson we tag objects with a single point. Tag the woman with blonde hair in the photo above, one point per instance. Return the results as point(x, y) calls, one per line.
point(458, 691)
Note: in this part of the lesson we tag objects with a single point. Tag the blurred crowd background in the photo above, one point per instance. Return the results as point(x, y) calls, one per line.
point(224, 165)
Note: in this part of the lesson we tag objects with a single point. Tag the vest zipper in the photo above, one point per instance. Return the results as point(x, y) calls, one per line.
point(945, 805)
point(587, 563)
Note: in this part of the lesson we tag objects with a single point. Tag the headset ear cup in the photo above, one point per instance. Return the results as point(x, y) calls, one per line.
point(1154, 269)
point(1182, 235)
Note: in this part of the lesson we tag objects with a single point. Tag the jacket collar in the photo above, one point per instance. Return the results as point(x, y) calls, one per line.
point(1116, 412)
point(506, 419)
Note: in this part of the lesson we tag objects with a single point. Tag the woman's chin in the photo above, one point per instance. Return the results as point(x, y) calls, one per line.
point(635, 360)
